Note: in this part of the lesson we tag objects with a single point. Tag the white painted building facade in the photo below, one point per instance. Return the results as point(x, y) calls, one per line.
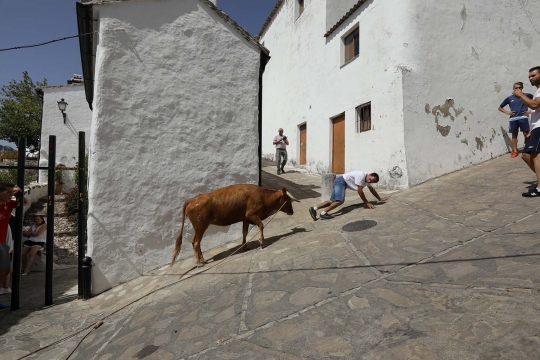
point(433, 72)
point(78, 118)
point(175, 101)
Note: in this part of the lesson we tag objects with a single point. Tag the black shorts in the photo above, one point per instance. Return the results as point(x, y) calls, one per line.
point(533, 144)
point(31, 243)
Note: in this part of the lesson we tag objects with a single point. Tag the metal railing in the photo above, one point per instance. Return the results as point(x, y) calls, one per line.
point(19, 214)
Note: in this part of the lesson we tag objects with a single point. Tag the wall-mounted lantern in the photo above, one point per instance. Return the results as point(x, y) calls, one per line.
point(62, 107)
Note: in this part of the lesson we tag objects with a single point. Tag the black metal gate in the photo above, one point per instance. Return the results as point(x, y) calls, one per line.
point(17, 241)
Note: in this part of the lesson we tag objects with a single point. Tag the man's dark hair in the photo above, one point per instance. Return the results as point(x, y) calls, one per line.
point(519, 83)
point(3, 186)
point(375, 175)
point(537, 68)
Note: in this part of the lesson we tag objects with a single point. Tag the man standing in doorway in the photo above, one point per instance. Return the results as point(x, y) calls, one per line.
point(519, 116)
point(532, 146)
point(281, 143)
point(354, 180)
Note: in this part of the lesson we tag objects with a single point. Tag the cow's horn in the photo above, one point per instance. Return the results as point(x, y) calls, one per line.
point(292, 197)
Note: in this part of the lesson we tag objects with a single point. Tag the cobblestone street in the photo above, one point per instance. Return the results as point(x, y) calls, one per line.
point(447, 270)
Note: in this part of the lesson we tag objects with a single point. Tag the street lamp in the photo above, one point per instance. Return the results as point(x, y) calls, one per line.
point(62, 107)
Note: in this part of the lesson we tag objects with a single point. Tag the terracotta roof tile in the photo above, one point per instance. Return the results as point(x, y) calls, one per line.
point(345, 17)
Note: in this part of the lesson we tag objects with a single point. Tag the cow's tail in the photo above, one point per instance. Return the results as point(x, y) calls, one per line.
point(178, 245)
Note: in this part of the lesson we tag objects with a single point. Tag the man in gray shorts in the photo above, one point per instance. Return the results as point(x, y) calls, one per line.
point(6, 205)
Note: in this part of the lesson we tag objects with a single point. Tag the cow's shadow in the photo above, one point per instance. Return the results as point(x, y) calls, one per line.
point(254, 244)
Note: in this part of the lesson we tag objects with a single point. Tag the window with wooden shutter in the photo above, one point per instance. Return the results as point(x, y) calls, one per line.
point(351, 44)
point(363, 117)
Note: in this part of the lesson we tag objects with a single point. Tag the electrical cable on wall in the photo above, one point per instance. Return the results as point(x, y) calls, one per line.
point(47, 42)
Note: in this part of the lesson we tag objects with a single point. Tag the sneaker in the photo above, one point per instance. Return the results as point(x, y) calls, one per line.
point(313, 213)
point(514, 154)
point(531, 193)
point(5, 290)
point(282, 171)
point(279, 172)
point(326, 216)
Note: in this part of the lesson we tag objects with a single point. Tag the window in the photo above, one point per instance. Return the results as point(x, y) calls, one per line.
point(351, 44)
point(363, 117)
point(299, 8)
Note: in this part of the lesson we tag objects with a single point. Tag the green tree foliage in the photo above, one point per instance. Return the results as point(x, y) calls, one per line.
point(20, 111)
point(9, 176)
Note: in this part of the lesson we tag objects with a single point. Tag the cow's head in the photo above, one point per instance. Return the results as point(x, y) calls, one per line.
point(286, 202)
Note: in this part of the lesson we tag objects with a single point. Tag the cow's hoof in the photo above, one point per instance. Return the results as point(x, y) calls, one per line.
point(201, 264)
point(263, 246)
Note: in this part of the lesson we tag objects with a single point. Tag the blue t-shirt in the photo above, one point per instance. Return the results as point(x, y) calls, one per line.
point(516, 105)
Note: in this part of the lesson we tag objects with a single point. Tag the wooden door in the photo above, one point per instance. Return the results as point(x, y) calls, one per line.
point(303, 144)
point(338, 144)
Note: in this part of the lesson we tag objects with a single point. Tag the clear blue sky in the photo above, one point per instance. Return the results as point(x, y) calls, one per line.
point(26, 22)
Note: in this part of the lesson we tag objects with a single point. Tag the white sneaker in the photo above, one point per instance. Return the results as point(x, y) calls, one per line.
point(5, 290)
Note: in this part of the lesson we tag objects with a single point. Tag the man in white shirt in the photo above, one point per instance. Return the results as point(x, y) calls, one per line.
point(532, 146)
point(354, 180)
point(281, 143)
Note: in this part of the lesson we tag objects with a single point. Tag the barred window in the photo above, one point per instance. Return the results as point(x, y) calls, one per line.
point(363, 117)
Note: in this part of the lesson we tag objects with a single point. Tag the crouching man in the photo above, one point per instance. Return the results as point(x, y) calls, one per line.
point(354, 180)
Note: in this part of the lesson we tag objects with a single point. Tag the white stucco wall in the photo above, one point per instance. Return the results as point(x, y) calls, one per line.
point(414, 55)
point(175, 115)
point(473, 52)
point(78, 118)
point(306, 82)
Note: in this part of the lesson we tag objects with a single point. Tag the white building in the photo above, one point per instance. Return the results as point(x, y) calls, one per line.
point(409, 89)
point(77, 118)
point(174, 87)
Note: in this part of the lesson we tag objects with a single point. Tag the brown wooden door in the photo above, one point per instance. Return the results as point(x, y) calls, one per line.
point(338, 144)
point(303, 144)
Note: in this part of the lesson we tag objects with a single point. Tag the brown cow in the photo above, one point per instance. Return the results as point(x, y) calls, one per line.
point(226, 206)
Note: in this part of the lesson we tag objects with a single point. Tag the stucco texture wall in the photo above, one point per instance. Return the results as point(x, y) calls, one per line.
point(78, 118)
point(306, 81)
point(176, 104)
point(460, 71)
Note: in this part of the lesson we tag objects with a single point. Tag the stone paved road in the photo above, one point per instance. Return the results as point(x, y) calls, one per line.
point(450, 271)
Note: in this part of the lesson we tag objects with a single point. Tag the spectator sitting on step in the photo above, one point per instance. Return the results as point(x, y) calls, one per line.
point(36, 241)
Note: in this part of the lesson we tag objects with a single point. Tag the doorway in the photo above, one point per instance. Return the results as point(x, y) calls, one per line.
point(303, 143)
point(338, 144)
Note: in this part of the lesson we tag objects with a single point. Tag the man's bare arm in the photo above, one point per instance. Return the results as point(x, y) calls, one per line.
point(364, 199)
point(374, 192)
point(532, 103)
point(509, 113)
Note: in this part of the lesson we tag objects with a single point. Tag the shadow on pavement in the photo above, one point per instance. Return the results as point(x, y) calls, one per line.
point(347, 209)
point(254, 244)
point(301, 192)
point(32, 295)
point(404, 264)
